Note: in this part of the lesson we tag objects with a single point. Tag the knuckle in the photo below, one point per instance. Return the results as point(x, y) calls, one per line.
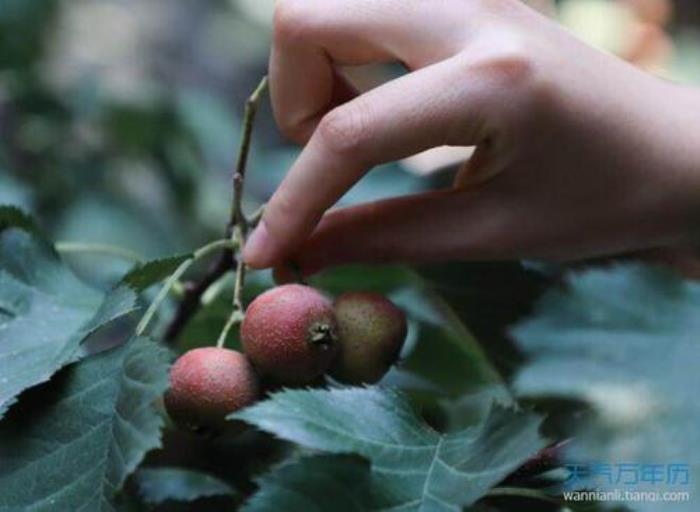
point(511, 68)
point(344, 130)
point(514, 72)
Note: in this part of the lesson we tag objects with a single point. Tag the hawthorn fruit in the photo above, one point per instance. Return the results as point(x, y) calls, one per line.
point(371, 332)
point(289, 334)
point(207, 384)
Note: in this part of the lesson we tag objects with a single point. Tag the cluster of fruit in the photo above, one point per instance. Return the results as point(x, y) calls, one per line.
point(291, 335)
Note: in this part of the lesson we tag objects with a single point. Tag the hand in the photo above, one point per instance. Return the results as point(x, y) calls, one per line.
point(578, 153)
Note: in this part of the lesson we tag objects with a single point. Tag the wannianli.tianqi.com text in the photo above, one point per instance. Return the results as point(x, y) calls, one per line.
point(620, 495)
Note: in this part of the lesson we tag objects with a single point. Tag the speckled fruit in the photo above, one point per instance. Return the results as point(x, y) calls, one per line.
point(289, 334)
point(207, 384)
point(371, 332)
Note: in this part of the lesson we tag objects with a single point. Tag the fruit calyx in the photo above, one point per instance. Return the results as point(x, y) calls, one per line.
point(322, 334)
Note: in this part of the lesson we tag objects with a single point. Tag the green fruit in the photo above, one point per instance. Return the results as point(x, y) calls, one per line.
point(289, 334)
point(207, 384)
point(371, 331)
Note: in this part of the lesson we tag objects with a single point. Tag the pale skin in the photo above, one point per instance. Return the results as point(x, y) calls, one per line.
point(579, 154)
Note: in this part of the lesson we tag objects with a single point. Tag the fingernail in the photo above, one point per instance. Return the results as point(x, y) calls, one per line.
point(256, 246)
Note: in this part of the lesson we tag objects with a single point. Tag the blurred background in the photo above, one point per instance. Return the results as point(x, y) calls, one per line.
point(119, 119)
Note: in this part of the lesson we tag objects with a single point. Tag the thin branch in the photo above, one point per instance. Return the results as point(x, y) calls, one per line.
point(236, 230)
point(193, 295)
point(174, 278)
point(256, 217)
point(237, 218)
point(239, 223)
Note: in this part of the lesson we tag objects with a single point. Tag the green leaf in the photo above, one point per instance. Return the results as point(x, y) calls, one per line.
point(413, 465)
point(70, 445)
point(45, 312)
point(624, 340)
point(488, 298)
point(316, 484)
point(13, 217)
point(147, 274)
point(157, 485)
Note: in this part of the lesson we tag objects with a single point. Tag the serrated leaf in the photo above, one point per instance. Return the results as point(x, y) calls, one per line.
point(45, 312)
point(14, 217)
point(416, 467)
point(147, 274)
point(316, 484)
point(70, 445)
point(625, 341)
point(157, 485)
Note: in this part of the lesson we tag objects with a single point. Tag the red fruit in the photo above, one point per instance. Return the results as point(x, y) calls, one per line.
point(289, 334)
point(207, 384)
point(371, 332)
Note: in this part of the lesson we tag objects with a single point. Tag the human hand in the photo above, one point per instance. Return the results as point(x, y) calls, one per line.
point(578, 153)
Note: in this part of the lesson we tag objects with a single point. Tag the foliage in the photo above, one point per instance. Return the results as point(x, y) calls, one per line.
point(158, 485)
point(412, 466)
point(71, 445)
point(624, 341)
point(118, 123)
point(36, 287)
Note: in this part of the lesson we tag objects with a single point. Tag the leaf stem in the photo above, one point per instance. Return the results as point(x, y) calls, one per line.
point(96, 248)
point(175, 277)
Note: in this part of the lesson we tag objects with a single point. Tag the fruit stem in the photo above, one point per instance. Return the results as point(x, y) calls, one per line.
point(175, 277)
point(239, 282)
point(235, 318)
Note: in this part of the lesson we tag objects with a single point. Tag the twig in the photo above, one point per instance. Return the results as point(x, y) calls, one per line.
point(251, 108)
point(175, 276)
point(256, 217)
point(239, 223)
point(193, 295)
point(236, 230)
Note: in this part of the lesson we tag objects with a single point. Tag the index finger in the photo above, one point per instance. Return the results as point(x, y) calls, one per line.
point(397, 119)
